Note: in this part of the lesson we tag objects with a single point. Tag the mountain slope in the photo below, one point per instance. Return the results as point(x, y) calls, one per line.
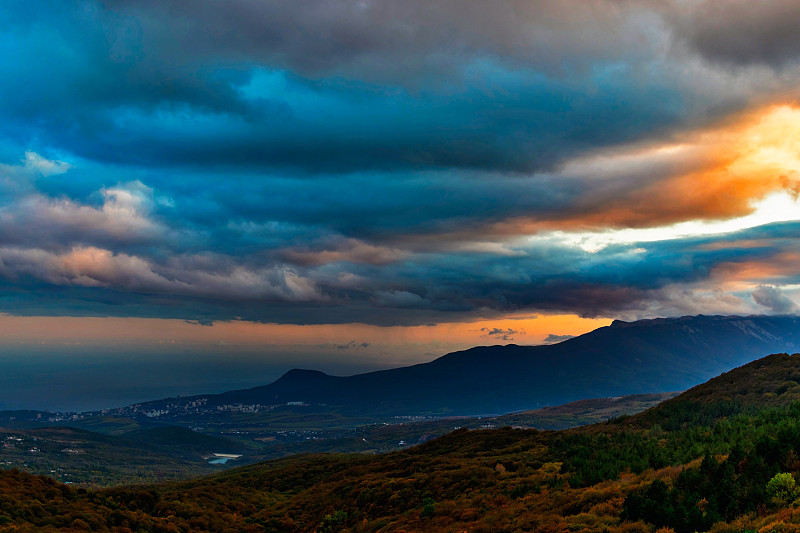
point(772, 381)
point(621, 359)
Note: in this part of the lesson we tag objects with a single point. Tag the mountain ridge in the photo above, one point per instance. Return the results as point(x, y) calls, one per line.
point(620, 359)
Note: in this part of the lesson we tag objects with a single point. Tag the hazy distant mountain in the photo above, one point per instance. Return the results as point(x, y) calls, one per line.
point(624, 358)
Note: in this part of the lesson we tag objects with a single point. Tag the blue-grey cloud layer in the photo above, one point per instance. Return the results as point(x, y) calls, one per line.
point(362, 161)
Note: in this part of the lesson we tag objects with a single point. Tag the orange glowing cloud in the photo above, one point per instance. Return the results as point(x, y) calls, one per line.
point(713, 174)
point(741, 275)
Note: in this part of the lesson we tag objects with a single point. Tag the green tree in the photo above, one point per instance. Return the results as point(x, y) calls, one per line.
point(428, 507)
point(782, 488)
point(333, 522)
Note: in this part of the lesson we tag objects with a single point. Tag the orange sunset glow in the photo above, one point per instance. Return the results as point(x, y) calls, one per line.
point(523, 329)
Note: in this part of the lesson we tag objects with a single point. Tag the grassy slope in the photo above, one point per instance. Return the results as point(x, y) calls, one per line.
point(585, 412)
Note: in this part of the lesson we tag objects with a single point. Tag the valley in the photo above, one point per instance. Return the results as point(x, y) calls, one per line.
point(100, 450)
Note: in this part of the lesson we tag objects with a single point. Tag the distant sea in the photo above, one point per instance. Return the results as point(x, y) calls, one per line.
point(80, 378)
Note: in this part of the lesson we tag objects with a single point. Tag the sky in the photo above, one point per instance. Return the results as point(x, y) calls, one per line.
point(197, 196)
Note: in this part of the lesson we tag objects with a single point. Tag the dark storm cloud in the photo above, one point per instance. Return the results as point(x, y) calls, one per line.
point(505, 334)
point(531, 125)
point(202, 322)
point(740, 32)
point(352, 345)
point(336, 86)
point(329, 86)
point(553, 338)
point(645, 280)
point(395, 40)
point(383, 162)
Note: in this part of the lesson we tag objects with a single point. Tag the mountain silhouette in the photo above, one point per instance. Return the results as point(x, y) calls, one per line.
point(665, 354)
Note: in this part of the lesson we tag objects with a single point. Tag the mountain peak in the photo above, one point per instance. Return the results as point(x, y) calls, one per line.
point(302, 374)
